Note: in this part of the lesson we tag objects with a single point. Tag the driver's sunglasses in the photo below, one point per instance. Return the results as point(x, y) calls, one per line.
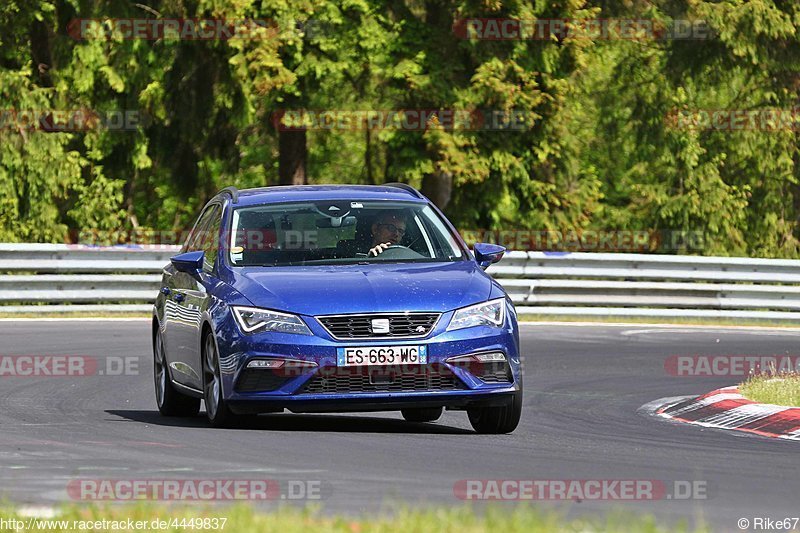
point(392, 227)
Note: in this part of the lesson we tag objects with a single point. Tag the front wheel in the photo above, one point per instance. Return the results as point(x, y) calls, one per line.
point(422, 414)
point(217, 410)
point(497, 420)
point(170, 402)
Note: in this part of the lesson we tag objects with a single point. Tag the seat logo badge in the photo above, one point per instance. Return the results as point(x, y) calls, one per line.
point(380, 325)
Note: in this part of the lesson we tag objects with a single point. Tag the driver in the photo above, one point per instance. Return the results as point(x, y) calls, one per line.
point(387, 230)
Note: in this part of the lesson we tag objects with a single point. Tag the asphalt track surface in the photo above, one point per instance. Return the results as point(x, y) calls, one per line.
point(585, 385)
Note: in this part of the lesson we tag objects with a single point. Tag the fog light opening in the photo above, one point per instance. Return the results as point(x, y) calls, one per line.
point(489, 357)
point(493, 357)
point(265, 363)
point(280, 363)
point(294, 363)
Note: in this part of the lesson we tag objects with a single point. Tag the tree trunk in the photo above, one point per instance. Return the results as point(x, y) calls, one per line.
point(293, 157)
point(368, 157)
point(41, 53)
point(438, 187)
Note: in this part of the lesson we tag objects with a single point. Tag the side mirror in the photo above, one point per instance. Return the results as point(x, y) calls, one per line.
point(488, 254)
point(190, 262)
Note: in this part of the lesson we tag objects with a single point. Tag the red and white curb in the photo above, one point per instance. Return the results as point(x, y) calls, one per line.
point(727, 409)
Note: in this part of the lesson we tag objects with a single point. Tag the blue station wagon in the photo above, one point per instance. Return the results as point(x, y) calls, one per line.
point(334, 299)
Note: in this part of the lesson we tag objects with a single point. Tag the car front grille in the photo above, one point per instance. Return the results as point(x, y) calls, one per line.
point(401, 325)
point(346, 380)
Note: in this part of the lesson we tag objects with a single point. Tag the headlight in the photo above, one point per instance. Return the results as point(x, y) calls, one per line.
point(253, 320)
point(491, 313)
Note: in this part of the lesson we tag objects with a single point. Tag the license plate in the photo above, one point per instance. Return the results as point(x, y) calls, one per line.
point(382, 355)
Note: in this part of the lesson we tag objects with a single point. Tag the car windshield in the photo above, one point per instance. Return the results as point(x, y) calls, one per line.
point(340, 232)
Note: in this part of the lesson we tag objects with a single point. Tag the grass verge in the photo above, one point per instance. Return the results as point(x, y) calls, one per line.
point(783, 389)
point(243, 518)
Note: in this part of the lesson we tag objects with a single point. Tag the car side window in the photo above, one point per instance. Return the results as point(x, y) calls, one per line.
point(195, 239)
point(210, 241)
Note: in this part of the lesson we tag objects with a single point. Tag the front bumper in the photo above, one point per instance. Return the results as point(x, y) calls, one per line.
point(369, 403)
point(293, 390)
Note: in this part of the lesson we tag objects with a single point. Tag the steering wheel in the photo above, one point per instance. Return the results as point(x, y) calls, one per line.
point(398, 251)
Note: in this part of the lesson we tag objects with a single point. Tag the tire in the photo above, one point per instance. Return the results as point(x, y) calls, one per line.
point(422, 414)
point(217, 410)
point(497, 420)
point(170, 402)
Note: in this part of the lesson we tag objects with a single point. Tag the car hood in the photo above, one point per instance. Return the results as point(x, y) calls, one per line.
point(323, 290)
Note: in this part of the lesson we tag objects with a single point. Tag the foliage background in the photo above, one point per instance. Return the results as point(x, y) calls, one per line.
point(599, 153)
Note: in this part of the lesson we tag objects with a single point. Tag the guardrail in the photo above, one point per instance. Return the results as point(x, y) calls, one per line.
point(56, 278)
point(625, 285)
point(43, 278)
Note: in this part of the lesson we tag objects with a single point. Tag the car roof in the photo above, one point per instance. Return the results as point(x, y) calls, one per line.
point(313, 193)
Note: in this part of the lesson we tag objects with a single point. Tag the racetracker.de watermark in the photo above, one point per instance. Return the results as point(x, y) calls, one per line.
point(70, 366)
point(590, 240)
point(403, 119)
point(769, 120)
point(172, 29)
point(32, 523)
point(730, 365)
point(580, 489)
point(196, 489)
point(514, 239)
point(510, 29)
point(242, 240)
point(71, 120)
